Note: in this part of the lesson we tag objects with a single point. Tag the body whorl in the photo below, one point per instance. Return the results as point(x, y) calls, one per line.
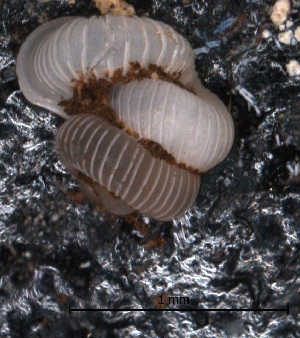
point(116, 161)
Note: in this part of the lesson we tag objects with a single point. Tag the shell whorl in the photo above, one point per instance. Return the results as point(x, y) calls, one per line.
point(117, 162)
point(59, 51)
point(185, 125)
point(187, 121)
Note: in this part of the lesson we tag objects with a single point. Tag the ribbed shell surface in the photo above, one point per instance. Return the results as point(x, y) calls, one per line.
point(185, 125)
point(58, 51)
point(117, 162)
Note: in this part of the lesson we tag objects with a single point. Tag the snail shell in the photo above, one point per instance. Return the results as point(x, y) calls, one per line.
point(112, 166)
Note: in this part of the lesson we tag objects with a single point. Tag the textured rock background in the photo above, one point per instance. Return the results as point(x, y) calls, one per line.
point(238, 247)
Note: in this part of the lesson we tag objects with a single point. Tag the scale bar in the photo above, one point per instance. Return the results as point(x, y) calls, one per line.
point(287, 310)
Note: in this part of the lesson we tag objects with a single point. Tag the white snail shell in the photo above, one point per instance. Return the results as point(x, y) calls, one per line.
point(196, 130)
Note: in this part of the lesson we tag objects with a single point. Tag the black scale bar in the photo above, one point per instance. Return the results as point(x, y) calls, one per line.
point(287, 310)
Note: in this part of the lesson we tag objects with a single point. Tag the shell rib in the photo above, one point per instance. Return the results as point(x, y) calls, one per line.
point(116, 161)
point(190, 125)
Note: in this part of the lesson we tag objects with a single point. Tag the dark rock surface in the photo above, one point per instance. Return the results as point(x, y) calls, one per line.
point(239, 247)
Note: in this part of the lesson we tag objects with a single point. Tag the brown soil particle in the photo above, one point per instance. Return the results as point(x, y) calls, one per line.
point(156, 150)
point(137, 224)
point(189, 168)
point(144, 229)
point(136, 72)
point(158, 243)
point(90, 96)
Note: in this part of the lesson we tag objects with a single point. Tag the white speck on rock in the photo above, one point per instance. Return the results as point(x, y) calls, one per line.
point(280, 11)
point(115, 7)
point(293, 68)
point(54, 217)
point(281, 27)
point(266, 34)
point(85, 265)
point(297, 34)
point(286, 37)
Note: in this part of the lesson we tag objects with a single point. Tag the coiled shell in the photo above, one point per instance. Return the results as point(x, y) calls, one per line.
point(112, 166)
